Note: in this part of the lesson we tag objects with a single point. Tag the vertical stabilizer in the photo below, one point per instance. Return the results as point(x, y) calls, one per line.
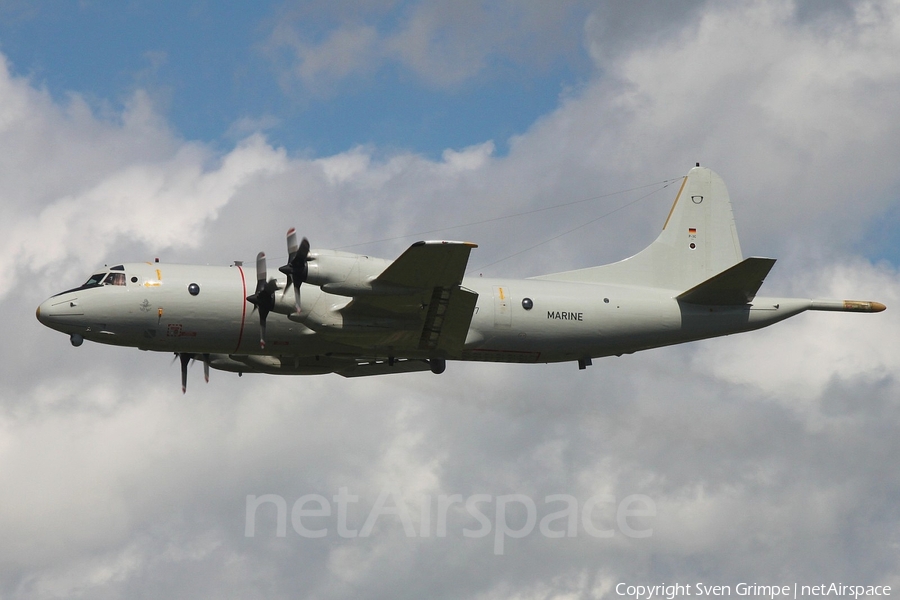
point(698, 240)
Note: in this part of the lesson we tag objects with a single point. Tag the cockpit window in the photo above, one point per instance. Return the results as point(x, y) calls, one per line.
point(114, 279)
point(94, 280)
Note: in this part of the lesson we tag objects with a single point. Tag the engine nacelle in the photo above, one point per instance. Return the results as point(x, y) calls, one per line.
point(342, 272)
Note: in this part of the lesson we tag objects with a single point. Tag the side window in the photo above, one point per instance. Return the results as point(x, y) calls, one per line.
point(115, 279)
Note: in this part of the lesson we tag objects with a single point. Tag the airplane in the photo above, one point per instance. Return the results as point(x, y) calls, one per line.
point(355, 315)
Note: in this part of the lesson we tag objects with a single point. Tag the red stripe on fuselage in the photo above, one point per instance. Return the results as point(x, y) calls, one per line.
point(243, 308)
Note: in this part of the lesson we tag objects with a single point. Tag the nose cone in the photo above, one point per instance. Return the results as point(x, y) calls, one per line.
point(43, 312)
point(60, 312)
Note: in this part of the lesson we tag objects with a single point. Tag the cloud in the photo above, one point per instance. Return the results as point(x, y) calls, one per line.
point(346, 52)
point(794, 116)
point(79, 185)
point(842, 350)
point(442, 44)
point(763, 454)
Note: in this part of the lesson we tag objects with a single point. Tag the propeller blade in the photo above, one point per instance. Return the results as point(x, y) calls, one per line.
point(264, 297)
point(262, 329)
point(303, 253)
point(206, 367)
point(288, 269)
point(185, 360)
point(293, 246)
point(260, 279)
point(301, 270)
point(260, 270)
point(297, 269)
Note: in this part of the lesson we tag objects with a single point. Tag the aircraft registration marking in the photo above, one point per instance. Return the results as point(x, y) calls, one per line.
point(177, 330)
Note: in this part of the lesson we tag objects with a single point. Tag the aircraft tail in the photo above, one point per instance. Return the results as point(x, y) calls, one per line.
point(699, 240)
point(734, 286)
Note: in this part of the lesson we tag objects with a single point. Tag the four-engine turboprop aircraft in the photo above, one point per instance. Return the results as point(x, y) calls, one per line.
point(329, 311)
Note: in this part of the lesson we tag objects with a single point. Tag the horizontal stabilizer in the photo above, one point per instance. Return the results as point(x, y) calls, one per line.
point(734, 286)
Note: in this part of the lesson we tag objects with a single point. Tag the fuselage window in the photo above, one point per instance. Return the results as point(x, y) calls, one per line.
point(115, 279)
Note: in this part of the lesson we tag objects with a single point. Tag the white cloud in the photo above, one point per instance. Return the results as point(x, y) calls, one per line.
point(817, 349)
point(797, 112)
point(763, 453)
point(79, 185)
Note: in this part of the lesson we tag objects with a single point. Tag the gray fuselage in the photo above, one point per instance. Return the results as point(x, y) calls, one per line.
point(515, 320)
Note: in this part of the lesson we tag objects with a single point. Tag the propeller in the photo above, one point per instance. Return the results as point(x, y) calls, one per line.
point(297, 268)
point(264, 298)
point(186, 359)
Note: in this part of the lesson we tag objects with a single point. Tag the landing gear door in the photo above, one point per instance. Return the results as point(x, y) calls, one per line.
point(502, 309)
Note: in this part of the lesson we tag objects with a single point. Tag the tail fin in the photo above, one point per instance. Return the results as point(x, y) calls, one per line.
point(698, 240)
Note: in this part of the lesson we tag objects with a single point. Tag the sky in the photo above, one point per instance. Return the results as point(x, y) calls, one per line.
point(548, 133)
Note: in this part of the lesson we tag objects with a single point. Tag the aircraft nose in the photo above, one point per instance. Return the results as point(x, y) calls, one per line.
point(42, 312)
point(59, 311)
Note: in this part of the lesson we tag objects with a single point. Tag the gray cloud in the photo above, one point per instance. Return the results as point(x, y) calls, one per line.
point(767, 455)
point(443, 44)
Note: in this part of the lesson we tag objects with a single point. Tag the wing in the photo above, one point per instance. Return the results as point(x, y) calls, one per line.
point(418, 303)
